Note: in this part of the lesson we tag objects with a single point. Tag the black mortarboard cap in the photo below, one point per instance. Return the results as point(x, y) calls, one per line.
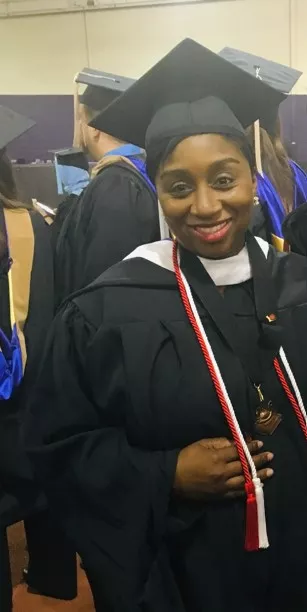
point(12, 125)
point(280, 77)
point(72, 157)
point(225, 96)
point(102, 87)
point(283, 78)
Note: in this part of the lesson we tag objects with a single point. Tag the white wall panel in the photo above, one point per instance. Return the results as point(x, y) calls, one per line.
point(128, 41)
point(41, 54)
point(299, 41)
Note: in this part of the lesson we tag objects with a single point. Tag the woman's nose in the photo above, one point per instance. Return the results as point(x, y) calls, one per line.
point(205, 202)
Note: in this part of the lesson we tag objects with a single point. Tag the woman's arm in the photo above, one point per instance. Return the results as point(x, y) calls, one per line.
point(111, 498)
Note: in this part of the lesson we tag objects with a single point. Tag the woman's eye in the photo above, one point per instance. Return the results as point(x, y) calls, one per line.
point(222, 182)
point(180, 189)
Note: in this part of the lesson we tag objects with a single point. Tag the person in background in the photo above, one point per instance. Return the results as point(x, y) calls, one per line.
point(117, 211)
point(281, 188)
point(72, 175)
point(26, 313)
point(281, 183)
point(174, 385)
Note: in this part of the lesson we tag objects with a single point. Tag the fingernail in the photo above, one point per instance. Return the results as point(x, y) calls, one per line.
point(270, 456)
point(269, 472)
point(259, 444)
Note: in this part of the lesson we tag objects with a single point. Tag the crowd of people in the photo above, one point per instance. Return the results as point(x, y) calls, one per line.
point(153, 344)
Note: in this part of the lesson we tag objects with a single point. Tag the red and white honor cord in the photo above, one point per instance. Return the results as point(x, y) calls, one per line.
point(256, 531)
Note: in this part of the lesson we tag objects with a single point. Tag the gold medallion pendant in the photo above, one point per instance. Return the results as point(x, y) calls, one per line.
point(267, 420)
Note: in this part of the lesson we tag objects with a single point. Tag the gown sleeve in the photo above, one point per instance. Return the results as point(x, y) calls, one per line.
point(41, 305)
point(111, 497)
point(22, 495)
point(119, 214)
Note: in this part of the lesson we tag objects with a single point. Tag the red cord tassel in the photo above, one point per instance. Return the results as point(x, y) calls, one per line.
point(251, 533)
point(256, 532)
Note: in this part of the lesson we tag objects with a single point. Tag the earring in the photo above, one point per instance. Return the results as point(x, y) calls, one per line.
point(256, 201)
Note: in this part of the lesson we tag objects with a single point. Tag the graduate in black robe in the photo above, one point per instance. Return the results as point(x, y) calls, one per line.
point(174, 386)
point(118, 210)
point(52, 563)
point(72, 176)
point(116, 213)
point(26, 313)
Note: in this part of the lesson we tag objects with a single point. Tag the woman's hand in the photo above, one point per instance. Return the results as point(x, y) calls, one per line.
point(211, 468)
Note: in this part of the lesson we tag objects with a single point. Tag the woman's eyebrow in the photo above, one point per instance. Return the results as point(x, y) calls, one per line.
point(172, 172)
point(225, 160)
point(175, 172)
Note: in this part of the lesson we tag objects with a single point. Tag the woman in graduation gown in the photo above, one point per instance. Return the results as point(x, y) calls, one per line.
point(173, 387)
point(26, 312)
point(281, 188)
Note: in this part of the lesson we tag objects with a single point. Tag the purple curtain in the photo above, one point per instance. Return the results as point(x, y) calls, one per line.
point(293, 114)
point(53, 129)
point(54, 126)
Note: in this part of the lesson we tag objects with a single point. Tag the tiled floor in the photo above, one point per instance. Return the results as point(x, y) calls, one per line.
point(23, 602)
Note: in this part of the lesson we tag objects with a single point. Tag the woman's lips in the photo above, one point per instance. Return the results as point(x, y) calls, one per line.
point(212, 233)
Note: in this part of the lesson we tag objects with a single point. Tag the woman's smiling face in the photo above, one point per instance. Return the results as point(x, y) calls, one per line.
point(206, 190)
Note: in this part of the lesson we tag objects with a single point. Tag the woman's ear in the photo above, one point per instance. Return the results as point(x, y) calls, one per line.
point(96, 134)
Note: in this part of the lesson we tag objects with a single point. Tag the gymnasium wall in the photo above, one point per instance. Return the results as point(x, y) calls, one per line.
point(41, 55)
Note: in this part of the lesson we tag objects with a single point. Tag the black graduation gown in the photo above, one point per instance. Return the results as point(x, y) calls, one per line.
point(124, 388)
point(63, 210)
point(16, 475)
point(295, 230)
point(116, 213)
point(52, 561)
point(260, 224)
